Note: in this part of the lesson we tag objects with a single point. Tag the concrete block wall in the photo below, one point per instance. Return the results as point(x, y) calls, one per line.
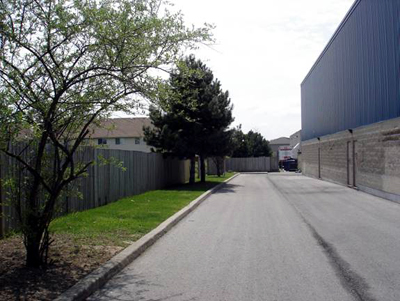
point(309, 158)
point(376, 156)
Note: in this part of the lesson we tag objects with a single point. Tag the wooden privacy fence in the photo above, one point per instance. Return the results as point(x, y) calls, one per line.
point(259, 164)
point(212, 166)
point(106, 183)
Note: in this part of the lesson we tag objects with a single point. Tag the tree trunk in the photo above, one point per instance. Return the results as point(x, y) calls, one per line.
point(192, 170)
point(36, 235)
point(31, 228)
point(218, 165)
point(37, 242)
point(33, 256)
point(202, 168)
point(32, 239)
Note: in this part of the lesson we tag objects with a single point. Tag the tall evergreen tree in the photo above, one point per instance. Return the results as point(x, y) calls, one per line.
point(220, 146)
point(258, 146)
point(252, 144)
point(192, 114)
point(240, 147)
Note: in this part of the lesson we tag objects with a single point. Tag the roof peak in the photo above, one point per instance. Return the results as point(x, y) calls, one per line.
point(127, 127)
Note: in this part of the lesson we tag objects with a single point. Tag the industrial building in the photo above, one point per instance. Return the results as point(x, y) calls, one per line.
point(350, 102)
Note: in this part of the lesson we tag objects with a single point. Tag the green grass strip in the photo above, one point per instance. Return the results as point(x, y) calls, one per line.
point(124, 221)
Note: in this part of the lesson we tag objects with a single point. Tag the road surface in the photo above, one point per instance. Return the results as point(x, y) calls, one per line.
point(272, 237)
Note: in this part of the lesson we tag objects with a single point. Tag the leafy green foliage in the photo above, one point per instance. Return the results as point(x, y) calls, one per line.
point(192, 116)
point(252, 144)
point(65, 65)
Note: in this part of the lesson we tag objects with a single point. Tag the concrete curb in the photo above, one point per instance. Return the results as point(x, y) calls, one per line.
point(92, 282)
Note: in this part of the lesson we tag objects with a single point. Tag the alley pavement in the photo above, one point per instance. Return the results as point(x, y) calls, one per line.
point(271, 237)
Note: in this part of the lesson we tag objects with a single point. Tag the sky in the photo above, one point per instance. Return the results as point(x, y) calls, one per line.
point(263, 51)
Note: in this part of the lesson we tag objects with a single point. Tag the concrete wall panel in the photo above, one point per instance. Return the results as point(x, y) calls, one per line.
point(377, 158)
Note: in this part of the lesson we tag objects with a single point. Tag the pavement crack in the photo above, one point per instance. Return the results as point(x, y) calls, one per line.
point(350, 280)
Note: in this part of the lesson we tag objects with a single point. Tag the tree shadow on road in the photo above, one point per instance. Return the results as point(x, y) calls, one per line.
point(194, 187)
point(131, 287)
point(228, 188)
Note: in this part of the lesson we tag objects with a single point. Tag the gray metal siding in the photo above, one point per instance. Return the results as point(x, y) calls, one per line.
point(356, 80)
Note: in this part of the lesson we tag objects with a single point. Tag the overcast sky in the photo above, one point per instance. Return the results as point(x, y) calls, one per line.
point(264, 49)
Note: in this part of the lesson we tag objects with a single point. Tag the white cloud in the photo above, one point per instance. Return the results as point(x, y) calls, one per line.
point(263, 52)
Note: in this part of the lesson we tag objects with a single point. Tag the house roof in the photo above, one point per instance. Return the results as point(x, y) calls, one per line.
point(296, 135)
point(120, 128)
point(280, 141)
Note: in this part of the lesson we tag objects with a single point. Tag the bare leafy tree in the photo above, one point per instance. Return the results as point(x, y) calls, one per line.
point(64, 65)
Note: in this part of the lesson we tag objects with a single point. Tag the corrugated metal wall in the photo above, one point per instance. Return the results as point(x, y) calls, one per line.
point(356, 80)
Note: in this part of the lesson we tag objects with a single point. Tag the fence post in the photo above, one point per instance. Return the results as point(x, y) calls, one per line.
point(95, 179)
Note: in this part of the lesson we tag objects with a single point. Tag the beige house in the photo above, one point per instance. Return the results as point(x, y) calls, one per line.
point(121, 133)
point(275, 144)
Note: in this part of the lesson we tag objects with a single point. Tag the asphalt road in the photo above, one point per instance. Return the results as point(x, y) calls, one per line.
point(272, 237)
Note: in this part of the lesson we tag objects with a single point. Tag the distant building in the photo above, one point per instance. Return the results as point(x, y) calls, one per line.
point(295, 144)
point(284, 153)
point(350, 103)
point(121, 133)
point(276, 143)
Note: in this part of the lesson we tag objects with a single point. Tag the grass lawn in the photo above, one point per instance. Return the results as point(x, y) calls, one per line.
point(122, 222)
point(85, 240)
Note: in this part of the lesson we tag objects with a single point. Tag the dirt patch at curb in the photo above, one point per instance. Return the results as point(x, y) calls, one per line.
point(69, 262)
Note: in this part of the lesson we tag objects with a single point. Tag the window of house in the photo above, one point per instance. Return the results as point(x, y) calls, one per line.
point(118, 141)
point(137, 141)
point(101, 141)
